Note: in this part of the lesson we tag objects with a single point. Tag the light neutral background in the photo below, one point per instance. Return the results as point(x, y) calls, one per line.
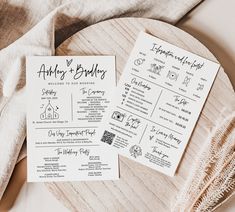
point(213, 23)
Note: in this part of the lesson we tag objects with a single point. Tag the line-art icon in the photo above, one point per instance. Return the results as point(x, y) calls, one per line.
point(139, 61)
point(186, 81)
point(49, 112)
point(200, 87)
point(118, 116)
point(151, 137)
point(172, 75)
point(68, 62)
point(156, 69)
point(135, 151)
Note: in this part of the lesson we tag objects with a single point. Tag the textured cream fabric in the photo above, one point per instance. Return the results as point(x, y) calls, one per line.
point(36, 27)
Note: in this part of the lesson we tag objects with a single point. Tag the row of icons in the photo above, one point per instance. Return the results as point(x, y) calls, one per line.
point(172, 75)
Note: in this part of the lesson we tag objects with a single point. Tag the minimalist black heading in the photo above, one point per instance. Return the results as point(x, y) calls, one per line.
point(183, 60)
point(78, 71)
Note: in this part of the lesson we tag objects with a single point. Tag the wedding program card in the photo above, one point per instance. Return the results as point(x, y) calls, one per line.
point(157, 103)
point(66, 99)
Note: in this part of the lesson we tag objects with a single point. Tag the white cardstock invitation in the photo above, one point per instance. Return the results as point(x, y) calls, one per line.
point(67, 97)
point(157, 103)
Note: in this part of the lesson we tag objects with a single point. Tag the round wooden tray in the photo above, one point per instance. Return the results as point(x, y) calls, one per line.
point(140, 188)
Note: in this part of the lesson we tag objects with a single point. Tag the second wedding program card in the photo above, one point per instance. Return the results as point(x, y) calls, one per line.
point(157, 103)
point(66, 99)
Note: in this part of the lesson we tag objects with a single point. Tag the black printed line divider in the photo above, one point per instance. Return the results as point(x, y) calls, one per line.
point(38, 146)
point(45, 128)
point(156, 103)
point(71, 106)
point(149, 120)
point(143, 133)
point(163, 87)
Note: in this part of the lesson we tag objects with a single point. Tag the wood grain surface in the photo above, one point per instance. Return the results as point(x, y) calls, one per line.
point(141, 188)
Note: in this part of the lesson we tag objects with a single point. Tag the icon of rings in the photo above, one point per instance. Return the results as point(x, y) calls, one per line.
point(139, 61)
